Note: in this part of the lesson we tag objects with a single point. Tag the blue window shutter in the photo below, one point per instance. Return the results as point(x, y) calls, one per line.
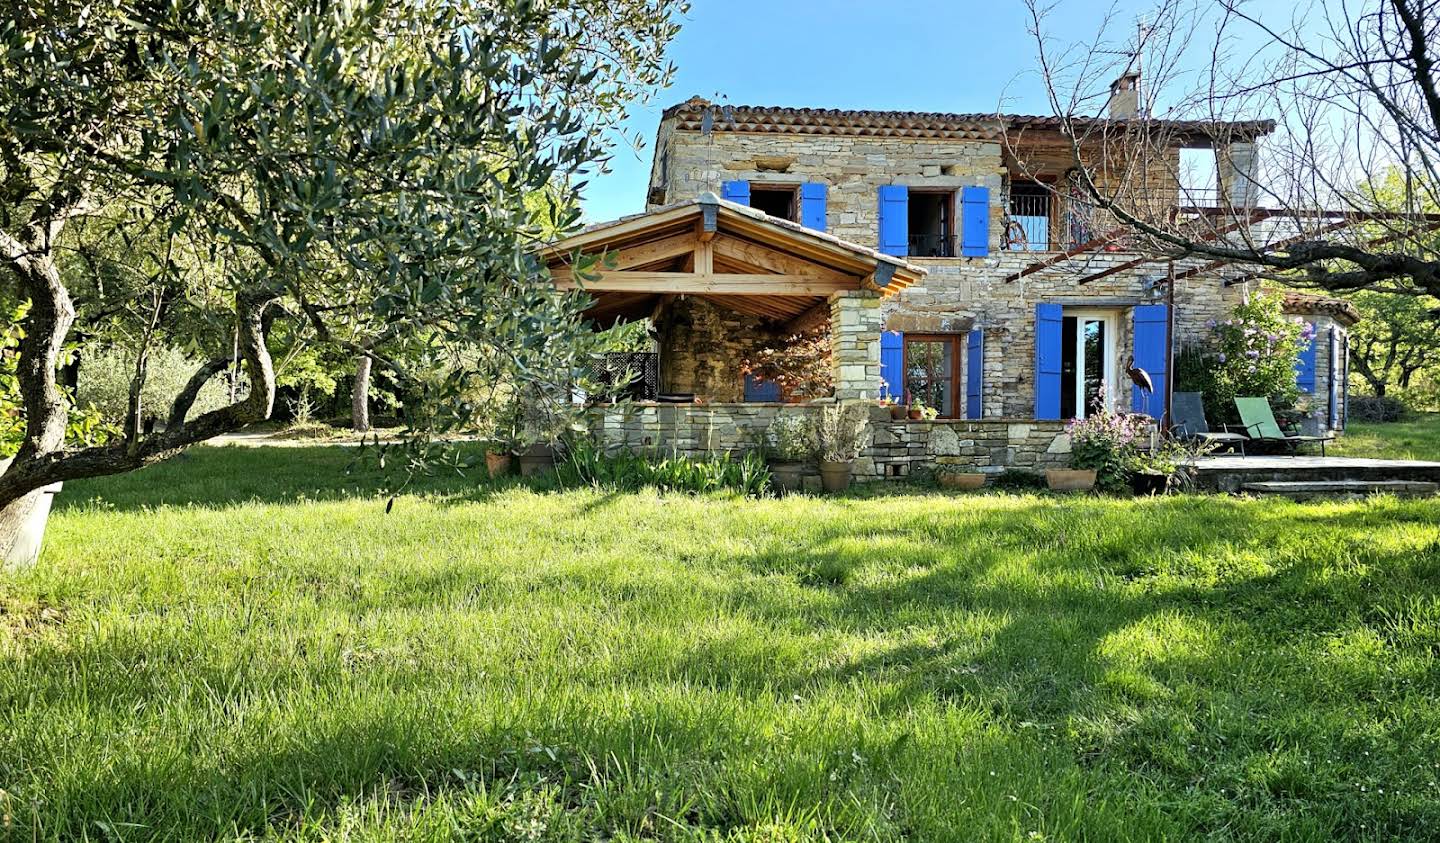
point(736, 191)
point(1049, 330)
point(975, 222)
point(1305, 367)
point(892, 364)
point(974, 372)
point(812, 205)
point(761, 390)
point(1336, 361)
point(894, 219)
point(1151, 352)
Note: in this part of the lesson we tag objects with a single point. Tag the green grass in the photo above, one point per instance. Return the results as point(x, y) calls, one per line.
point(1416, 438)
point(281, 659)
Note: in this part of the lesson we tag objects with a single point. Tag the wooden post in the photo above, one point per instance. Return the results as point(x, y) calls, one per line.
point(1169, 345)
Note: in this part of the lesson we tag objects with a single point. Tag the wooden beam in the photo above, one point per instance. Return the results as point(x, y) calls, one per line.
point(705, 257)
point(880, 278)
point(763, 258)
point(709, 223)
point(670, 247)
point(810, 319)
point(696, 282)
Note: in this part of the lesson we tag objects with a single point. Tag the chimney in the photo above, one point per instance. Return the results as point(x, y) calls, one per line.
point(1125, 97)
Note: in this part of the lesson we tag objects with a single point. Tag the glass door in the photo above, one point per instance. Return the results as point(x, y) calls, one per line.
point(932, 371)
point(1087, 367)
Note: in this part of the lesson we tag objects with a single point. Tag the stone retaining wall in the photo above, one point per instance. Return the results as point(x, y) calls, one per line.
point(899, 448)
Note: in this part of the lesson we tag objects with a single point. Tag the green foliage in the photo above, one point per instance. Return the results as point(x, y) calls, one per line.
point(1396, 343)
point(365, 175)
point(489, 662)
point(791, 437)
point(106, 373)
point(85, 424)
point(1252, 353)
point(585, 464)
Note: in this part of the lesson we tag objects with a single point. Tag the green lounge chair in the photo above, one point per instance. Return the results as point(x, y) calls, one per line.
point(1260, 426)
point(1189, 415)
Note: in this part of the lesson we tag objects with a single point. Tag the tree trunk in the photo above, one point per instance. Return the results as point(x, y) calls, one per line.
point(22, 527)
point(360, 396)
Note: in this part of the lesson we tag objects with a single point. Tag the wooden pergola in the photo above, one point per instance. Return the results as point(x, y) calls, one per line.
point(727, 254)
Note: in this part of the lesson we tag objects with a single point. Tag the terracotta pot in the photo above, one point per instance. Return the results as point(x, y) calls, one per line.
point(1149, 484)
point(915, 415)
point(786, 474)
point(497, 463)
point(835, 476)
point(897, 412)
point(1070, 479)
point(537, 459)
point(968, 482)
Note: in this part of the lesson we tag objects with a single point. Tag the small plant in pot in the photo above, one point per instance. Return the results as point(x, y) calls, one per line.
point(841, 433)
point(897, 411)
point(789, 441)
point(1168, 465)
point(1100, 446)
point(917, 410)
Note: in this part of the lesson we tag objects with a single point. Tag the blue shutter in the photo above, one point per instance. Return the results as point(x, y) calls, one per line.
point(975, 222)
point(736, 191)
point(894, 219)
point(761, 390)
point(892, 364)
point(974, 372)
point(1049, 330)
point(1151, 351)
point(1337, 360)
point(1305, 367)
point(812, 205)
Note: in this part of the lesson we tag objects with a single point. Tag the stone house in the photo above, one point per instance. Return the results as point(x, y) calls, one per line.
point(992, 310)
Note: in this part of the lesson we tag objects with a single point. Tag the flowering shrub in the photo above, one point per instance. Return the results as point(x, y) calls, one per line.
point(1107, 443)
point(1251, 353)
point(799, 365)
point(791, 437)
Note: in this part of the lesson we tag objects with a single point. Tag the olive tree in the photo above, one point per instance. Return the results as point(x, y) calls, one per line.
point(360, 167)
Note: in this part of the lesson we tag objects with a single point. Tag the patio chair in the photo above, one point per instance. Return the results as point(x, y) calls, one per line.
point(1260, 426)
point(1188, 417)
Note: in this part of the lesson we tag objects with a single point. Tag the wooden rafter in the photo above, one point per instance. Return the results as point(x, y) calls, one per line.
point(703, 282)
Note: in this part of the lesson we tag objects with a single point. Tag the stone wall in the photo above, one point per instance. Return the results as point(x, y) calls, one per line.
point(702, 346)
point(899, 449)
point(960, 293)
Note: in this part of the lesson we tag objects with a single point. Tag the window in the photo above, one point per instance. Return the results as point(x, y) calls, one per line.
point(1198, 183)
point(1028, 229)
point(1087, 363)
point(776, 201)
point(931, 221)
point(932, 372)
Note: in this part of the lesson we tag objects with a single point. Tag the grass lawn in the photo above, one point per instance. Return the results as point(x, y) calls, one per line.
point(1416, 438)
point(281, 658)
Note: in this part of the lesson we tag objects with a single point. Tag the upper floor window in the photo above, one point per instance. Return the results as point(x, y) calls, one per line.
point(932, 224)
point(782, 202)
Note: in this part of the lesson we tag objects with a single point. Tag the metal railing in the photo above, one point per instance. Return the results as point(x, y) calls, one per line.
point(627, 374)
point(932, 246)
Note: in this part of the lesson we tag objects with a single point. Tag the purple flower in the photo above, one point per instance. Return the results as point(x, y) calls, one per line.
point(1210, 323)
point(1253, 355)
point(1223, 357)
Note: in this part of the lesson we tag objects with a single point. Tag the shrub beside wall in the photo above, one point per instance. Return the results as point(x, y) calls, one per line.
point(105, 376)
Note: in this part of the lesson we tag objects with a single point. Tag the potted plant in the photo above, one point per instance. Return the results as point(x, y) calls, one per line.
point(1157, 470)
point(897, 411)
point(951, 477)
point(917, 410)
point(789, 440)
point(1100, 446)
point(840, 435)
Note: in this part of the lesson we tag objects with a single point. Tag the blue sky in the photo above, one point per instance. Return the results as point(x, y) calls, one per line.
point(941, 55)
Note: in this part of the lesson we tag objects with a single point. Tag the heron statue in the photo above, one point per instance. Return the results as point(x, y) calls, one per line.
point(1139, 376)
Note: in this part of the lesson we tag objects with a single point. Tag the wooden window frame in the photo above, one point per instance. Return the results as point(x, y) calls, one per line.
point(796, 212)
point(957, 348)
point(951, 197)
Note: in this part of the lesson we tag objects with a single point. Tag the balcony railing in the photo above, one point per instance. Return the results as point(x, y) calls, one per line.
point(932, 246)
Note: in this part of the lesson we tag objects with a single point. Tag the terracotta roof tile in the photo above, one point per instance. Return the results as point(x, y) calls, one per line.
point(1309, 303)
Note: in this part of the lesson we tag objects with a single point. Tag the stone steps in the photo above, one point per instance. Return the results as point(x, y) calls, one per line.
point(1310, 489)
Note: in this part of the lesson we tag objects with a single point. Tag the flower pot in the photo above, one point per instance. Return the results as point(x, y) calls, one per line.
point(786, 474)
point(967, 481)
point(915, 415)
point(1147, 483)
point(835, 476)
point(497, 463)
point(22, 525)
point(897, 413)
point(537, 459)
point(1070, 479)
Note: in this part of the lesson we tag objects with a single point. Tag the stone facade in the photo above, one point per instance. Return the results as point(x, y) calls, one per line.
point(855, 325)
point(899, 449)
point(702, 346)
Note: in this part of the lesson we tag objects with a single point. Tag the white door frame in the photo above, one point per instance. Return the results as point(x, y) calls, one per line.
point(1111, 365)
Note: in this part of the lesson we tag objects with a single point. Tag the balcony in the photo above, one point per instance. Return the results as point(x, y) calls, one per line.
point(932, 246)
